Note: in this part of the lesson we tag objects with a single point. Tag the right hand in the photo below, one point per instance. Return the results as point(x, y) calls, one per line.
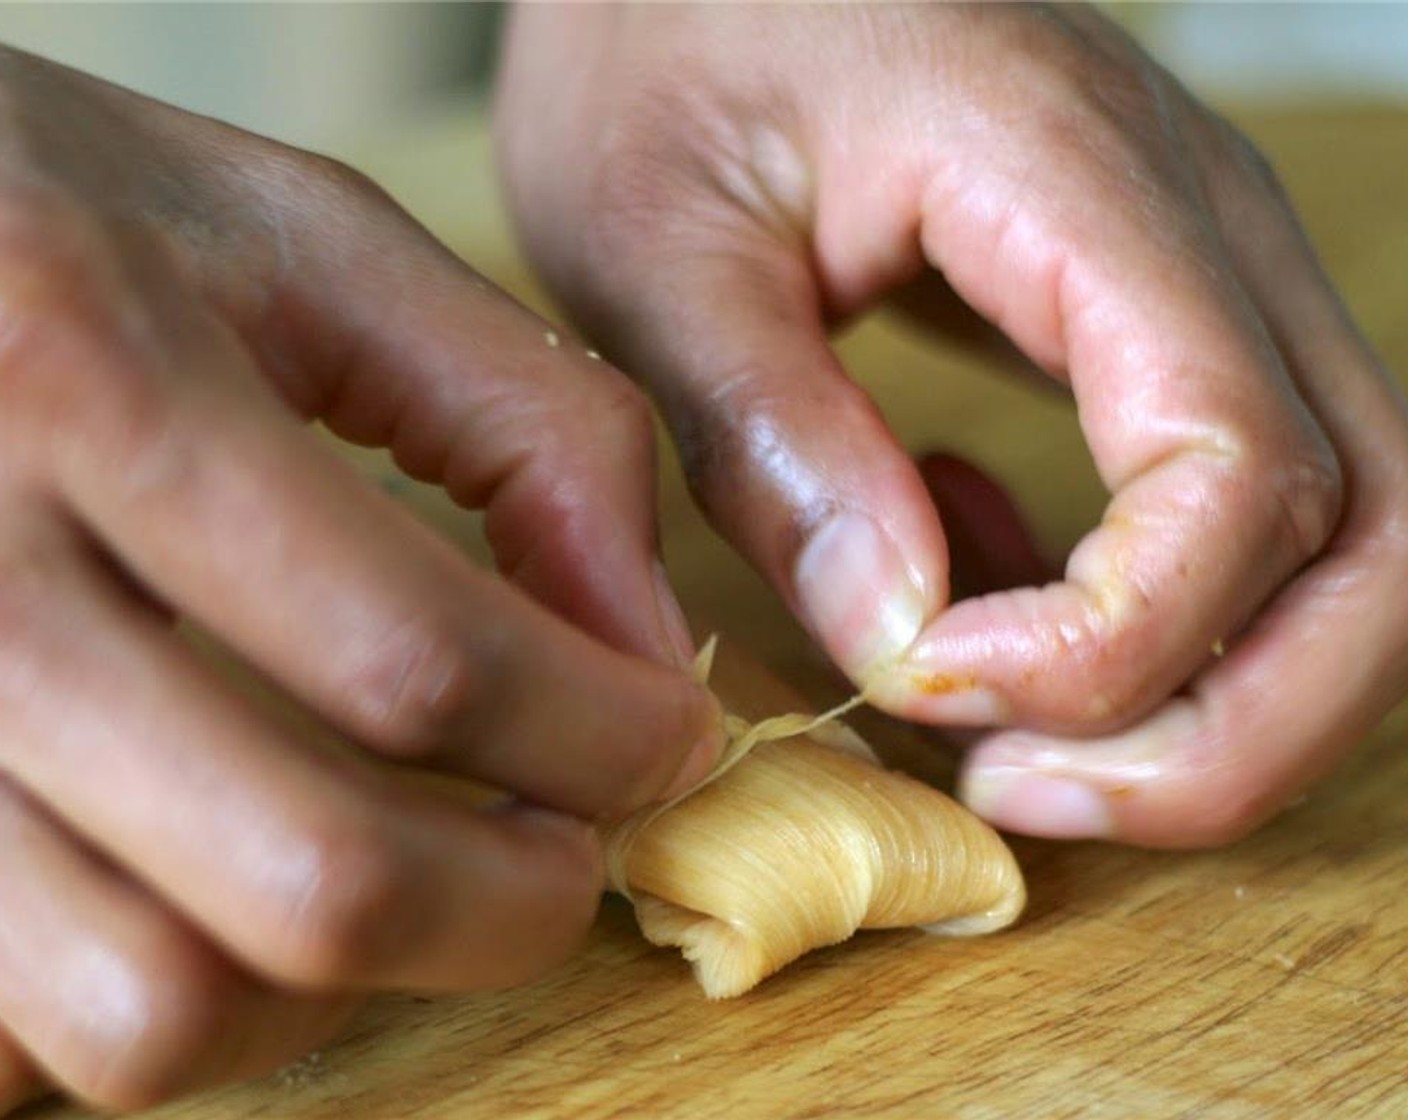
point(710, 188)
point(191, 891)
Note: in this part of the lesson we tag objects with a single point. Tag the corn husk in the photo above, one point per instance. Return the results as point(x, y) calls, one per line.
point(799, 839)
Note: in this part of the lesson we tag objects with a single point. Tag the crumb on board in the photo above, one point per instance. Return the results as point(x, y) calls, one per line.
point(1240, 893)
point(303, 1072)
point(552, 339)
point(1286, 962)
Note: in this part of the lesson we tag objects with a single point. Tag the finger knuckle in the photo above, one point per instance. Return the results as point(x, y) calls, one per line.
point(319, 182)
point(418, 687)
point(560, 484)
point(623, 420)
point(300, 194)
point(1116, 693)
point(161, 1014)
point(606, 412)
point(625, 412)
point(1307, 500)
point(594, 420)
point(347, 182)
point(1118, 700)
point(1095, 652)
point(339, 902)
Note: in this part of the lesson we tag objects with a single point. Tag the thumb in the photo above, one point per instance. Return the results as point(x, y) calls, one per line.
point(790, 459)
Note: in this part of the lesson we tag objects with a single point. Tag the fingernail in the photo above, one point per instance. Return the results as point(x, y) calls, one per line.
point(1037, 804)
point(575, 835)
point(539, 818)
point(857, 594)
point(678, 639)
point(702, 757)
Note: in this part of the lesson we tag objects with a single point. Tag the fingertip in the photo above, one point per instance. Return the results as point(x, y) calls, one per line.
point(567, 841)
point(707, 742)
point(1167, 782)
point(560, 873)
point(1036, 804)
point(676, 643)
point(859, 595)
point(655, 734)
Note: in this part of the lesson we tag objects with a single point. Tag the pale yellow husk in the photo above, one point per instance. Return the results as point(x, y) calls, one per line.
point(797, 841)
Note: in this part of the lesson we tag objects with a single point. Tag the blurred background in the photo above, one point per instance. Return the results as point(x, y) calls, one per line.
point(324, 75)
point(398, 88)
point(318, 75)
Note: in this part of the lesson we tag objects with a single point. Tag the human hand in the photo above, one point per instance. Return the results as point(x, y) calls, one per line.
point(190, 890)
point(708, 188)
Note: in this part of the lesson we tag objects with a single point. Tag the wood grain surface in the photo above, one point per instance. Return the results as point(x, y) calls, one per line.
point(1269, 979)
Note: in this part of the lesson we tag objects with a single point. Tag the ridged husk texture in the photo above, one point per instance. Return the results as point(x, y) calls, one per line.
point(797, 844)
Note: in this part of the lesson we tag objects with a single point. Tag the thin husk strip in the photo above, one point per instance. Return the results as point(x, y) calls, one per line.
point(741, 736)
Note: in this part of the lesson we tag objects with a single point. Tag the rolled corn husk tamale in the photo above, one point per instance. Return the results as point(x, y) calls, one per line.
point(797, 841)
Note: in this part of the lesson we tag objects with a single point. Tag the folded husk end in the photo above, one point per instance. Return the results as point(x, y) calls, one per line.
point(797, 847)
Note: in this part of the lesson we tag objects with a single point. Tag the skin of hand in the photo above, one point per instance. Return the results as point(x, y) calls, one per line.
point(708, 189)
point(190, 890)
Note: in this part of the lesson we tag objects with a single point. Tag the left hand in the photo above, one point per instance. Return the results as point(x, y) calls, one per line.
point(193, 890)
point(709, 188)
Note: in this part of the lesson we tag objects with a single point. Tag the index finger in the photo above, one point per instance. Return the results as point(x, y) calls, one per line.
point(1223, 483)
point(208, 490)
point(1326, 657)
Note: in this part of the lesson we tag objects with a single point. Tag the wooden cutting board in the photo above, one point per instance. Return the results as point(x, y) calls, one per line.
point(1268, 979)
